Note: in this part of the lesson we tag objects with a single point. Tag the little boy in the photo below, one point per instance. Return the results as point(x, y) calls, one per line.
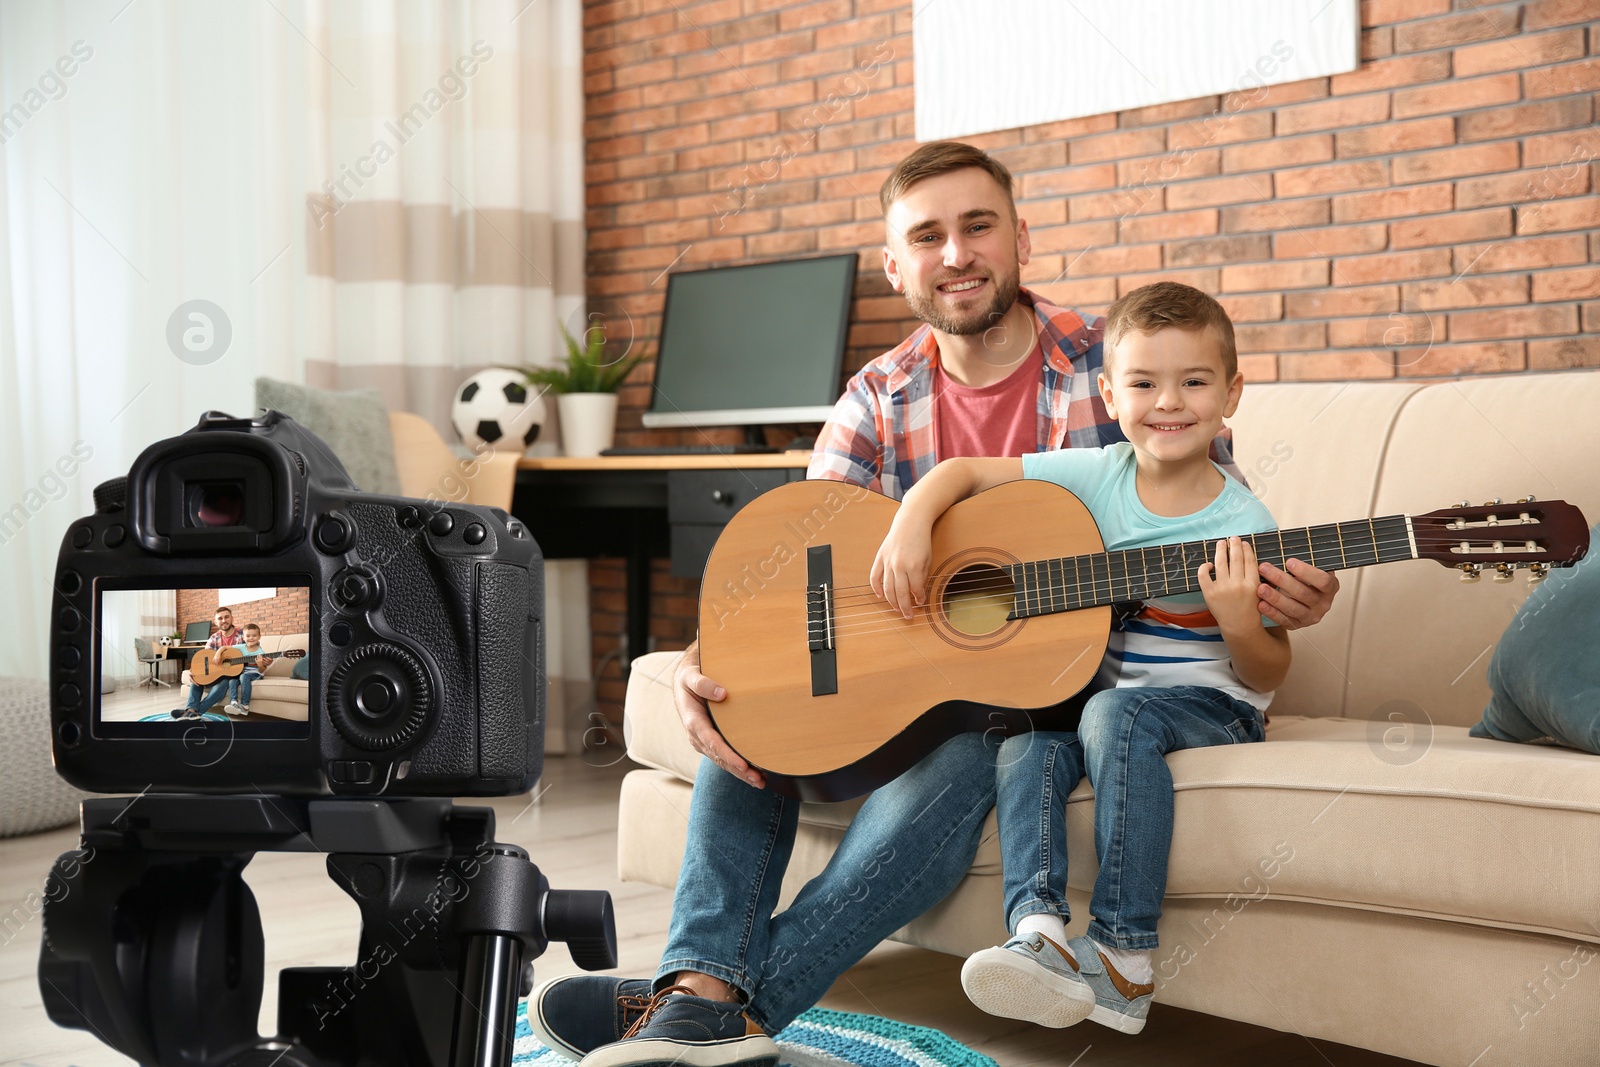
point(1185, 672)
point(255, 662)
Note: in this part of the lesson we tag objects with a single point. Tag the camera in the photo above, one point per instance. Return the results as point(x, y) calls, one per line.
point(398, 645)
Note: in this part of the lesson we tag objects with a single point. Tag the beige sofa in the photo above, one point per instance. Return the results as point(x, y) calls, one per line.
point(1371, 875)
point(275, 693)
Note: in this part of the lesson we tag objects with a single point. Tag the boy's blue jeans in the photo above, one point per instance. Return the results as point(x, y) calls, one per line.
point(909, 845)
point(1120, 742)
point(241, 685)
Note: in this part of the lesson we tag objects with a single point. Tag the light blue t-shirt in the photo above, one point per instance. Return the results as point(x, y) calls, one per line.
point(1172, 640)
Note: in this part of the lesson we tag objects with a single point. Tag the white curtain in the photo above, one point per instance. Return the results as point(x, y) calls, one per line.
point(126, 614)
point(165, 177)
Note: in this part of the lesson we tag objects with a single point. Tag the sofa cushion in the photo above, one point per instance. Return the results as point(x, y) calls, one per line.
point(1544, 680)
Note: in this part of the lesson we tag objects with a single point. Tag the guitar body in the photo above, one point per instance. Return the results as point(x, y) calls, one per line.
point(902, 686)
point(211, 665)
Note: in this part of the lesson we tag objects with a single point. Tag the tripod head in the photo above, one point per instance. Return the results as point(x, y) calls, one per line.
point(153, 940)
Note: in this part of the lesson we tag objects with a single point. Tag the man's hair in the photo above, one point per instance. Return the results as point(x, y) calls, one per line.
point(219, 611)
point(1171, 306)
point(942, 157)
point(251, 626)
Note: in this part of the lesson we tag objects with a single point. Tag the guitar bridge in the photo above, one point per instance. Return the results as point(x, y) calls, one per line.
point(820, 620)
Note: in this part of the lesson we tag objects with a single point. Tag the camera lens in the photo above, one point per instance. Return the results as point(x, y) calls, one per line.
point(215, 503)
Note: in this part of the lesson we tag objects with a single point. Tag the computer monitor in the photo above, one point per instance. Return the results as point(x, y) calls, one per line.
point(196, 633)
point(754, 344)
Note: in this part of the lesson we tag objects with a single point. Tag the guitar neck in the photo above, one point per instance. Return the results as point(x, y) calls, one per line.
point(1067, 583)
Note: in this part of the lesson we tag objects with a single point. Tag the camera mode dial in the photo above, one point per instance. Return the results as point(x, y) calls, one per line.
point(379, 697)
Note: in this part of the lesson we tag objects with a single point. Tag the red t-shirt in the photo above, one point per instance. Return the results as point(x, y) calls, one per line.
point(997, 420)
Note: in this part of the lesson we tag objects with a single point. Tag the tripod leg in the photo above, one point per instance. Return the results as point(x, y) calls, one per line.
point(486, 1015)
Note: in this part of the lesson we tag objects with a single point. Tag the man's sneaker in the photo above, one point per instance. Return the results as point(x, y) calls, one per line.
point(576, 1014)
point(1029, 977)
point(1118, 1003)
point(185, 713)
point(679, 1029)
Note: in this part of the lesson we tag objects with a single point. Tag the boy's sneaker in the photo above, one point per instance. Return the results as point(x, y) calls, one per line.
point(576, 1014)
point(1118, 1003)
point(233, 708)
point(679, 1029)
point(1029, 977)
point(244, 709)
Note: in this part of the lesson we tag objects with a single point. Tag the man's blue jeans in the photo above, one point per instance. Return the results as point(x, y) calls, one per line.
point(909, 845)
point(212, 697)
point(1120, 743)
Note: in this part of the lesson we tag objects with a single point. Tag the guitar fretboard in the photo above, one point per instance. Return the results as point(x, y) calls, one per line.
point(1067, 583)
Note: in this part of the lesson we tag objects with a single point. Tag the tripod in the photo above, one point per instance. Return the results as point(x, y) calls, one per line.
point(153, 940)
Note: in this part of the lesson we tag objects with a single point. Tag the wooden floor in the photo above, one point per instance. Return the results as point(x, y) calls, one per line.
point(570, 832)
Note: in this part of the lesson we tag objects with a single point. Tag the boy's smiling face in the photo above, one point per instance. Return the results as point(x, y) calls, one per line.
point(1169, 392)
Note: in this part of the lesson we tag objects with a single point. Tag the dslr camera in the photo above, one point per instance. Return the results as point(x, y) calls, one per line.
point(404, 642)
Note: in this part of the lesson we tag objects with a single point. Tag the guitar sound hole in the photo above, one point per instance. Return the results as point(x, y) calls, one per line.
point(977, 600)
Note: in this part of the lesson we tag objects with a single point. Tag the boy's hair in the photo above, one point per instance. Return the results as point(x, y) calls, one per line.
point(251, 626)
point(1174, 306)
point(942, 157)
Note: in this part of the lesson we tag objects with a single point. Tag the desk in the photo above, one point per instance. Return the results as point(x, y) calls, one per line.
point(642, 508)
point(183, 654)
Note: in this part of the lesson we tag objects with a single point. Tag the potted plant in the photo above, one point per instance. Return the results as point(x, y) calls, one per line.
point(586, 392)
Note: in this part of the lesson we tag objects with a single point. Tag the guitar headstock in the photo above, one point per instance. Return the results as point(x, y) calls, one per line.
point(1536, 534)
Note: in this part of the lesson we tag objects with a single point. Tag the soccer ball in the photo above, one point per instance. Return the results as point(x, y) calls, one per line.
point(497, 408)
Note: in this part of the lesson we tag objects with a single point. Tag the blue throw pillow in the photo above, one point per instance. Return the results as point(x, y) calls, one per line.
point(1545, 675)
point(301, 669)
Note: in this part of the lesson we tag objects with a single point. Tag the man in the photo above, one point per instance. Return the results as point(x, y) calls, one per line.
point(995, 371)
point(224, 635)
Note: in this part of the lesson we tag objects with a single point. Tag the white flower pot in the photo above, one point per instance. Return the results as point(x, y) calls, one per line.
point(588, 422)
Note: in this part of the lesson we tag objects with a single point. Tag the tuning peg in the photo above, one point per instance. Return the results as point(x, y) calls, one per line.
point(1538, 572)
point(1470, 572)
point(1530, 498)
point(1492, 503)
point(1503, 572)
point(1461, 504)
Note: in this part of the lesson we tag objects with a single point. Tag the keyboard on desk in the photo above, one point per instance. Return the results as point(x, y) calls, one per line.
point(689, 450)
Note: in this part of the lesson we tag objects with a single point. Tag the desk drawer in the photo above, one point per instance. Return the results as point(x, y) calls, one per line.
point(713, 496)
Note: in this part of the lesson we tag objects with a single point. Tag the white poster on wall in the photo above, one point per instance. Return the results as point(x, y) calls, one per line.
point(1001, 64)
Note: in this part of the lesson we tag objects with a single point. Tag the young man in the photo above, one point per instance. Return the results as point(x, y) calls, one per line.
point(1191, 670)
point(224, 635)
point(995, 371)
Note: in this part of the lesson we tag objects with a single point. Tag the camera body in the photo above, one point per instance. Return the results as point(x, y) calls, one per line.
point(423, 626)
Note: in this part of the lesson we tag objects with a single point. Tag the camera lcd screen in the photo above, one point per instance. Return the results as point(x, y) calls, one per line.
point(230, 660)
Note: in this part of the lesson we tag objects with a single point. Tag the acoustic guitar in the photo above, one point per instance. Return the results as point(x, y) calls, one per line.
point(211, 665)
point(831, 692)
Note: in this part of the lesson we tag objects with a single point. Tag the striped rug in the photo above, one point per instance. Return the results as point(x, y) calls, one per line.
point(819, 1038)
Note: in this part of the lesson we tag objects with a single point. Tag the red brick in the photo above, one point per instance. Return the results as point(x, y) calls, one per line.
point(1169, 227)
point(1118, 259)
point(1276, 95)
point(811, 216)
point(1032, 158)
point(1522, 253)
point(1535, 321)
point(642, 73)
point(1543, 13)
point(1219, 128)
point(1211, 192)
point(1377, 43)
point(815, 14)
point(1565, 353)
point(1069, 128)
point(884, 102)
point(1157, 114)
point(1333, 178)
point(1545, 184)
point(715, 155)
point(1335, 366)
point(1271, 277)
point(816, 64)
point(1147, 200)
point(1212, 250)
point(1274, 215)
point(1280, 337)
point(1562, 148)
point(1553, 216)
point(745, 222)
point(1456, 162)
point(1335, 303)
point(1467, 292)
point(1474, 25)
point(1341, 111)
point(784, 243)
point(1255, 307)
point(1259, 368)
point(1452, 229)
point(1580, 77)
point(1519, 52)
point(1392, 267)
point(1377, 12)
point(855, 31)
point(1070, 180)
point(1074, 238)
point(1051, 212)
point(753, 125)
point(1438, 361)
point(1279, 152)
point(1081, 295)
point(1591, 317)
point(1203, 280)
point(1457, 95)
point(1580, 284)
point(1392, 73)
point(1529, 118)
point(1120, 145)
point(1331, 241)
point(1391, 330)
point(1174, 166)
point(1396, 137)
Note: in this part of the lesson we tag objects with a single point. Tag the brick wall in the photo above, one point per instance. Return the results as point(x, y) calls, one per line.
point(1430, 214)
point(287, 613)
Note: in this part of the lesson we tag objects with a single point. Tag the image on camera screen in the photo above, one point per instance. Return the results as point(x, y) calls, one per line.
point(173, 657)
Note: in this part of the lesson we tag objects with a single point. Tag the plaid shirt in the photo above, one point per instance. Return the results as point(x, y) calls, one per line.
point(220, 640)
point(881, 434)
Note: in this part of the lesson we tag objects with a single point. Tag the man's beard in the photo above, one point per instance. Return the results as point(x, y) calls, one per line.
point(965, 324)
